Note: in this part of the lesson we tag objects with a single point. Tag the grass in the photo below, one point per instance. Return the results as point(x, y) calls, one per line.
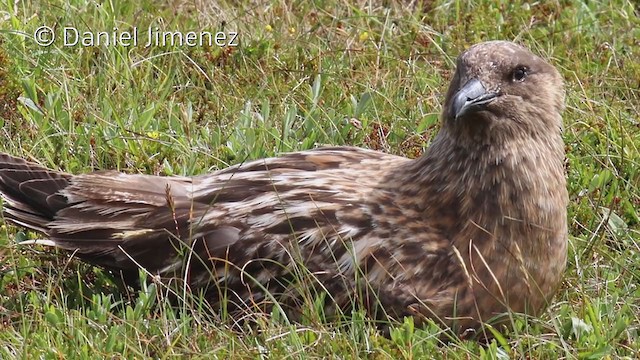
point(367, 73)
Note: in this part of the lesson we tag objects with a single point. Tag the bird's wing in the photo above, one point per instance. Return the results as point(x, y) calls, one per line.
point(122, 221)
point(315, 201)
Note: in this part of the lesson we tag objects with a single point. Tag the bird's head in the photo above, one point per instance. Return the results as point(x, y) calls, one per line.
point(501, 88)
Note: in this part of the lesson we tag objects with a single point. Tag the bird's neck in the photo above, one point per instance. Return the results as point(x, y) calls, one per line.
point(501, 184)
point(502, 208)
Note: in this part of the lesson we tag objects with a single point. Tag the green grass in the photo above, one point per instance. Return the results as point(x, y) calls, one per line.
point(367, 73)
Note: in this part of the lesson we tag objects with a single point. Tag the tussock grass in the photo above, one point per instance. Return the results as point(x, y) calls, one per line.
point(364, 73)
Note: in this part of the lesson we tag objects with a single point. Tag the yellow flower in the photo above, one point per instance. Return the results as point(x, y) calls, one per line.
point(364, 36)
point(268, 28)
point(153, 134)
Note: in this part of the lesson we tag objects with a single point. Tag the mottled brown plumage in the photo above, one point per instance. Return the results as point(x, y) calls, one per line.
point(473, 228)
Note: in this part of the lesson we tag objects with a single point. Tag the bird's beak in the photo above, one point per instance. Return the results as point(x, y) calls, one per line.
point(470, 98)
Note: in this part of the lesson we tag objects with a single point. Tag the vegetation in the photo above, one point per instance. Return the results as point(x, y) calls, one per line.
point(363, 73)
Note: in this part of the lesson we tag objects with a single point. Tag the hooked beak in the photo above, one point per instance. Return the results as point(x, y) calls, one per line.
point(470, 98)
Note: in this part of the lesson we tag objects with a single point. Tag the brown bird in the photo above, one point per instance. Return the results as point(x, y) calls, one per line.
point(475, 227)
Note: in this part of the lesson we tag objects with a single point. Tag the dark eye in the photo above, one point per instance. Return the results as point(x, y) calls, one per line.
point(519, 74)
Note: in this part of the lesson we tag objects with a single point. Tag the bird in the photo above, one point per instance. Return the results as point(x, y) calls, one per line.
point(473, 229)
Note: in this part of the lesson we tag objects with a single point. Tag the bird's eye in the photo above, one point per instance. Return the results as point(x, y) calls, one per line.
point(519, 74)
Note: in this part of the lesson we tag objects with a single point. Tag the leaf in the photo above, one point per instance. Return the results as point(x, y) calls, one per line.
point(53, 316)
point(427, 122)
point(146, 116)
point(362, 104)
point(316, 90)
point(30, 104)
point(615, 223)
point(600, 180)
point(579, 327)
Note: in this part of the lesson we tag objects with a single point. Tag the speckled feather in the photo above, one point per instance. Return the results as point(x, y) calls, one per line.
point(473, 228)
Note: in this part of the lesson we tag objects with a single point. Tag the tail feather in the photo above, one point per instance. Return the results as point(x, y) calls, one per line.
point(114, 187)
point(109, 219)
point(39, 191)
point(30, 192)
